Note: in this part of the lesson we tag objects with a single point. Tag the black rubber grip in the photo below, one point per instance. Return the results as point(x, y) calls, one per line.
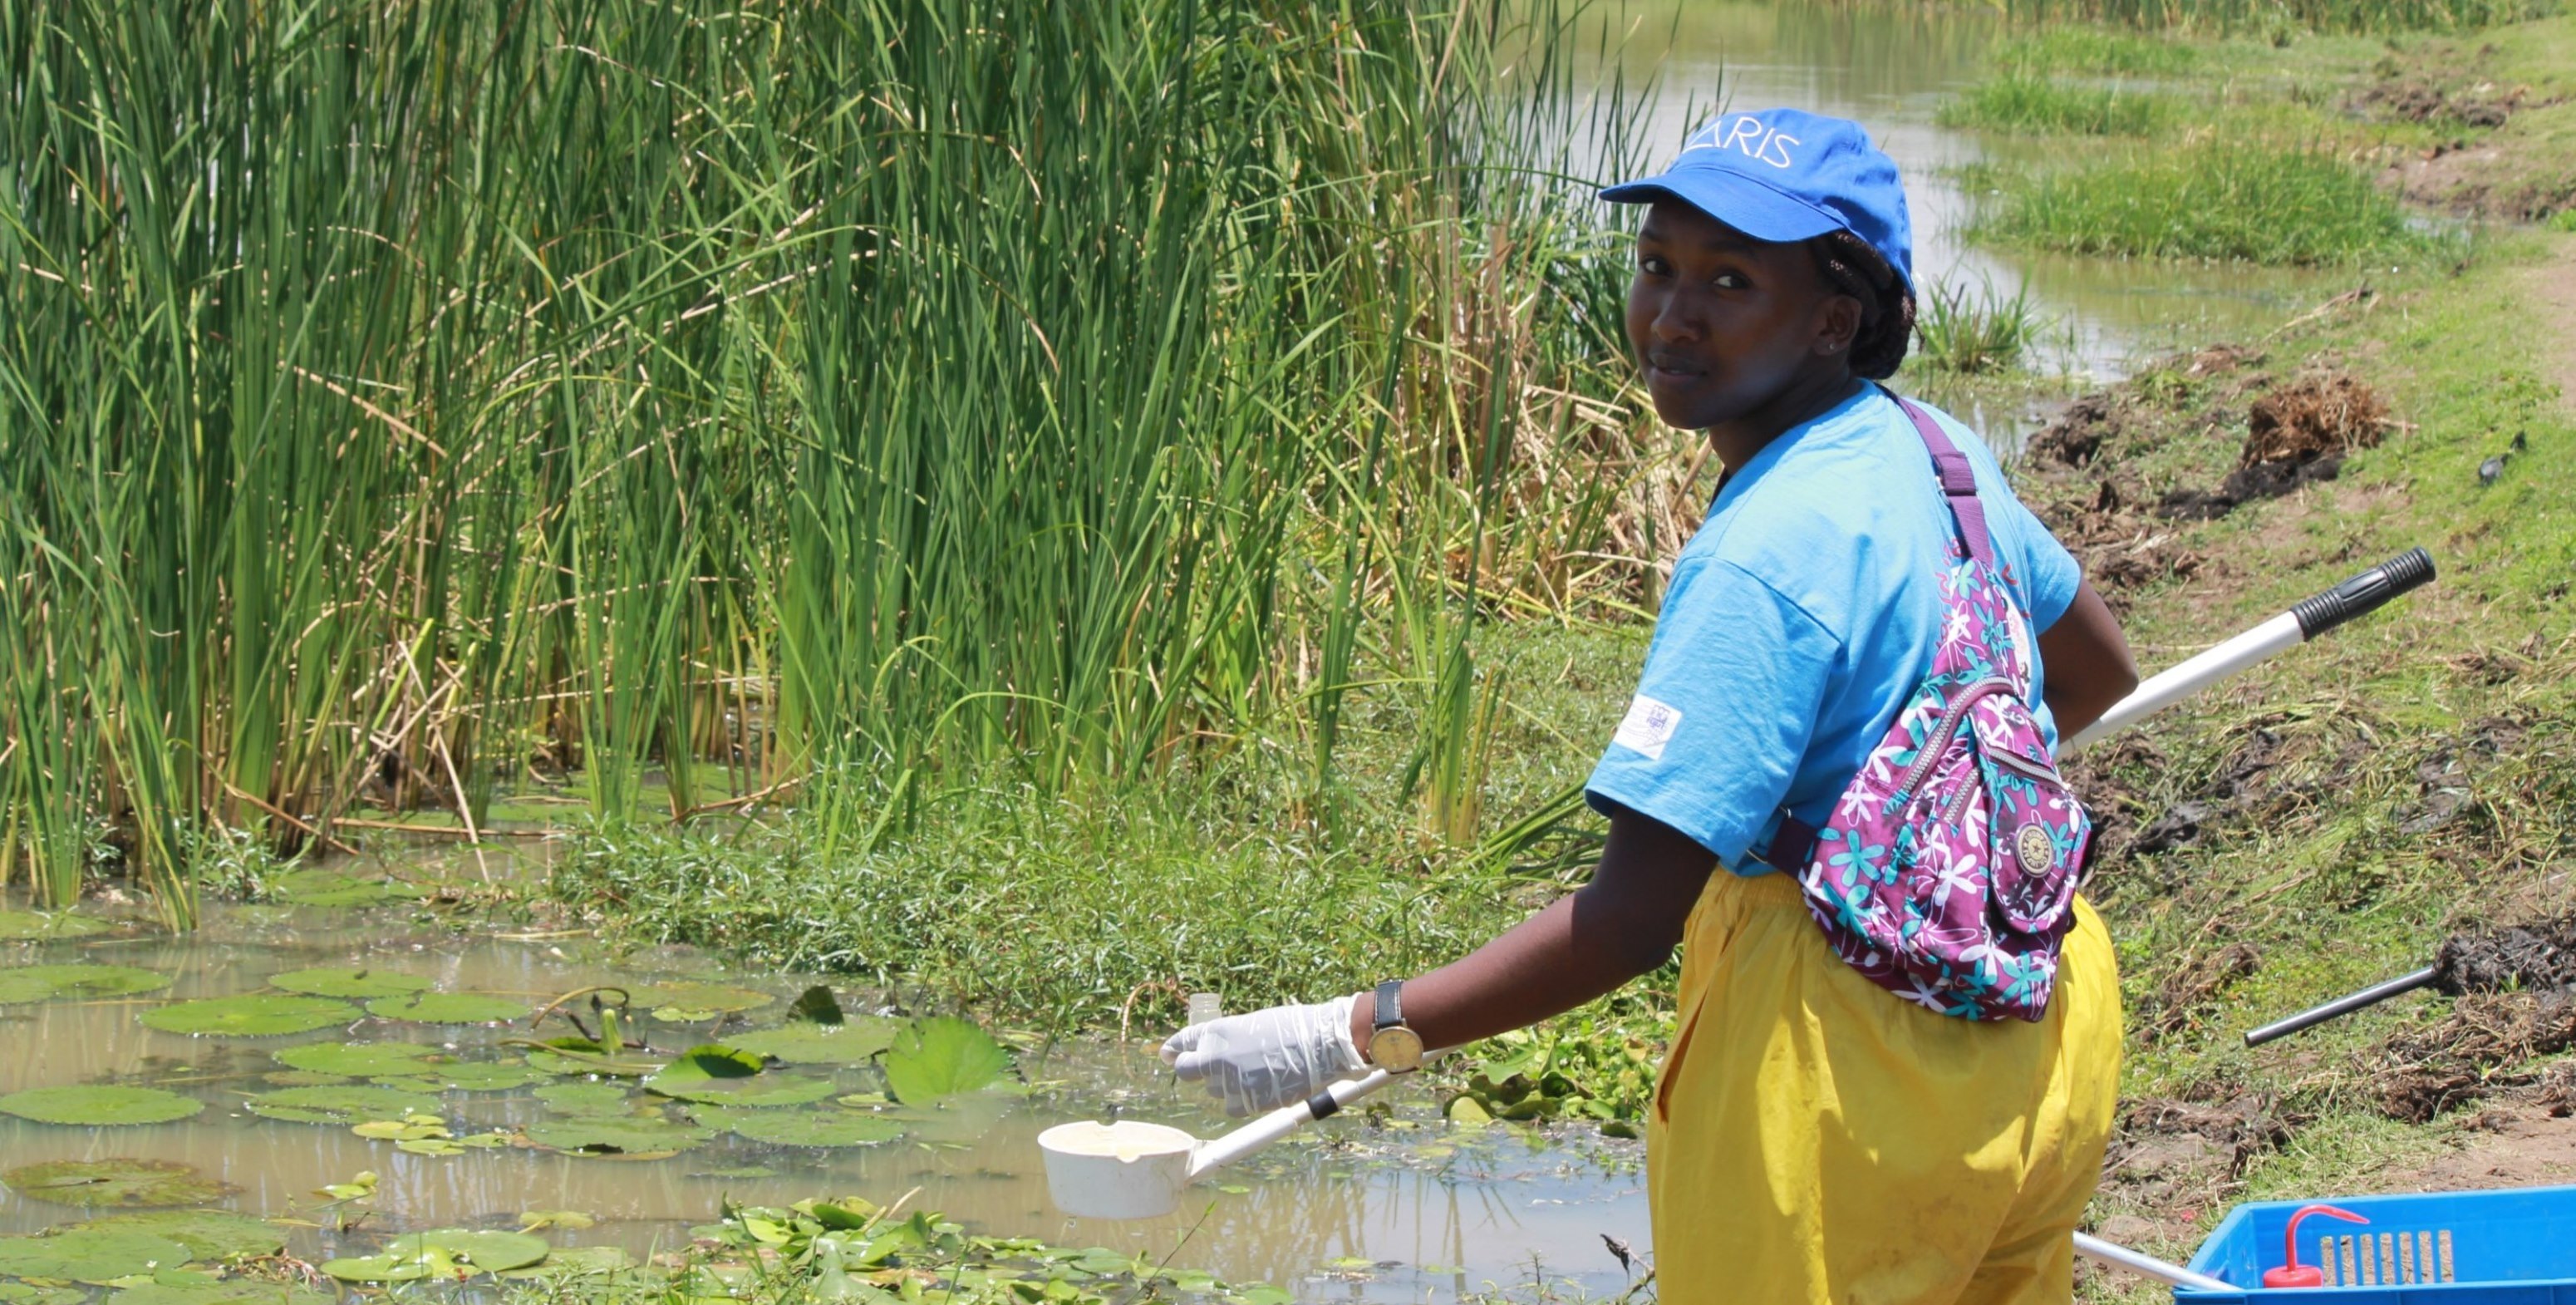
point(2363, 593)
point(1322, 1104)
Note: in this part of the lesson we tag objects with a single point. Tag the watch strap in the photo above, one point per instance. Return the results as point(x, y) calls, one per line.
point(1389, 1010)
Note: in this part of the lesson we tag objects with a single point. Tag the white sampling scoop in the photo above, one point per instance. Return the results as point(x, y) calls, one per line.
point(1135, 1170)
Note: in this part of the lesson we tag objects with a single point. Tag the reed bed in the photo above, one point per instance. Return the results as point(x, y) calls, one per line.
point(722, 405)
point(2280, 16)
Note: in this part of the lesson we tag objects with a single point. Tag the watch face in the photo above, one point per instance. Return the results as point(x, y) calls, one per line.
point(1397, 1050)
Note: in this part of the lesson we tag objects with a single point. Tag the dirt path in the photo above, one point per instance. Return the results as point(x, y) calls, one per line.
point(2553, 290)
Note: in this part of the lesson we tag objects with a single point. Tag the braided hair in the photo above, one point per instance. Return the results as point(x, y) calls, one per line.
point(1850, 267)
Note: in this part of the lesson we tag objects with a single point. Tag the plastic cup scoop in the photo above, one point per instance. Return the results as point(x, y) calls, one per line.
point(1134, 1170)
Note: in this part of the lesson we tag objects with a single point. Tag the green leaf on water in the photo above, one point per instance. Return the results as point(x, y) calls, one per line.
point(855, 1042)
point(212, 1235)
point(577, 1262)
point(766, 1091)
point(331, 888)
point(99, 1105)
point(135, 1184)
point(802, 1127)
point(30, 926)
point(692, 1002)
point(486, 1075)
point(252, 1015)
point(449, 1008)
point(340, 1105)
point(942, 1057)
point(700, 1066)
point(585, 1098)
point(447, 1253)
point(28, 1293)
point(616, 1135)
point(816, 1005)
point(361, 1059)
point(230, 1291)
point(362, 984)
point(302, 1078)
point(86, 1254)
point(52, 982)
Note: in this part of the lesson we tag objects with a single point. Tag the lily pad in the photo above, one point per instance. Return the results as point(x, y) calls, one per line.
point(251, 1015)
point(99, 1105)
point(689, 1003)
point(854, 1043)
point(447, 1253)
point(766, 1091)
point(585, 1098)
point(802, 1127)
point(340, 1105)
point(84, 1254)
point(28, 1293)
point(576, 1262)
point(616, 1135)
point(215, 1235)
point(28, 926)
point(132, 1183)
point(361, 984)
point(942, 1057)
point(699, 1067)
point(331, 888)
point(49, 982)
point(229, 1291)
point(569, 1055)
point(487, 1075)
point(361, 1059)
point(449, 1008)
point(303, 1078)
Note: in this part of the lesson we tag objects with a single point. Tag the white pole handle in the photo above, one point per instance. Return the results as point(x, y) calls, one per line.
point(2121, 1257)
point(1217, 1152)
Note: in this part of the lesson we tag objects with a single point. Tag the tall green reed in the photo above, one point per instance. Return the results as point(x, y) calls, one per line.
point(794, 405)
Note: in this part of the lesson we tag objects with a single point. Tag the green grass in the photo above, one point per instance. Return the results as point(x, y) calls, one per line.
point(2247, 201)
point(2026, 102)
point(1977, 332)
point(2100, 51)
point(2224, 16)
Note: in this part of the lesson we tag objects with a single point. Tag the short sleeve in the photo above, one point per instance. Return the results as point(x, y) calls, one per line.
point(1724, 712)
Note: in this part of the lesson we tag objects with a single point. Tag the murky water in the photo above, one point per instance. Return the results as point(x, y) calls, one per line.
point(1392, 1207)
point(1888, 67)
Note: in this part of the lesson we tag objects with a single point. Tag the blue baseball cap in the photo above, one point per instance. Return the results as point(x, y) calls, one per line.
point(1783, 175)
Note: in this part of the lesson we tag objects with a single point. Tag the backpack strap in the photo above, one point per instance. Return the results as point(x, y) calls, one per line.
point(1793, 842)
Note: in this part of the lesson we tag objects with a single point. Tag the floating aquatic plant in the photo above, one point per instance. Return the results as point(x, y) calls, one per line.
point(52, 982)
point(942, 1057)
point(211, 1235)
point(339, 1105)
point(361, 1059)
point(856, 1042)
point(251, 1015)
point(585, 1098)
point(100, 1105)
point(358, 983)
point(801, 1127)
point(28, 926)
point(628, 1135)
point(445, 1254)
point(486, 1075)
point(122, 1182)
point(83, 1253)
point(219, 1291)
point(448, 1008)
point(693, 1003)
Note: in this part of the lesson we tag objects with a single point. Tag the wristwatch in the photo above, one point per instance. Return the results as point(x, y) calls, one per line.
point(1392, 1046)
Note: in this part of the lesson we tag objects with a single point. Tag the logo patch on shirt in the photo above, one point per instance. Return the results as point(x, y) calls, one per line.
point(1648, 727)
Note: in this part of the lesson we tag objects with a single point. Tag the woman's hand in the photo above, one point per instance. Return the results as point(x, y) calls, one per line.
point(1268, 1058)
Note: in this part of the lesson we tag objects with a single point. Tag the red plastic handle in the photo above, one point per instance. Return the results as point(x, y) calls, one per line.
point(2292, 1273)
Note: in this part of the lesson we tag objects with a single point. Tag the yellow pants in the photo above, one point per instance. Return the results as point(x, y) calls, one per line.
point(1817, 1139)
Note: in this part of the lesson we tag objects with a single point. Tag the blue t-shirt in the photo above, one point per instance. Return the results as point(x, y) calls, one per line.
point(1800, 619)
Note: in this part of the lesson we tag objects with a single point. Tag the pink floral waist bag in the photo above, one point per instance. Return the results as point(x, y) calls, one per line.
point(1947, 872)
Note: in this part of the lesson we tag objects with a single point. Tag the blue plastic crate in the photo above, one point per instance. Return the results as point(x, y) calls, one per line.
point(2512, 1246)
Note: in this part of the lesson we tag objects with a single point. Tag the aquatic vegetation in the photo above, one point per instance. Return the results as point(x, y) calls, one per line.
point(856, 1042)
point(634, 1136)
point(696, 1003)
point(339, 1105)
point(1577, 1067)
point(428, 1135)
point(1975, 333)
point(484, 1075)
point(2024, 102)
point(217, 1236)
point(100, 1105)
point(823, 1128)
point(253, 1015)
point(26, 983)
point(87, 1253)
point(2208, 199)
point(449, 1008)
point(32, 926)
point(700, 1066)
point(361, 1059)
point(585, 1098)
point(446, 1254)
point(226, 1291)
point(121, 1182)
point(358, 983)
point(943, 1057)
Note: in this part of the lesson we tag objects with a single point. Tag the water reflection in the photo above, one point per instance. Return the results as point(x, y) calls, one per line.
point(1401, 1190)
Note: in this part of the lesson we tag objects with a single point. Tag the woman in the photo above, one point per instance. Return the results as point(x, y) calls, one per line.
point(1814, 1137)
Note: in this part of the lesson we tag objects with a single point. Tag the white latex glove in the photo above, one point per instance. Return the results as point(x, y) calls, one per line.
point(1268, 1058)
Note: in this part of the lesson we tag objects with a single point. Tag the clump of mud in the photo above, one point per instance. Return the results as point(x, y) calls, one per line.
point(2479, 1049)
point(2538, 955)
point(2168, 1151)
point(2295, 435)
point(2484, 105)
